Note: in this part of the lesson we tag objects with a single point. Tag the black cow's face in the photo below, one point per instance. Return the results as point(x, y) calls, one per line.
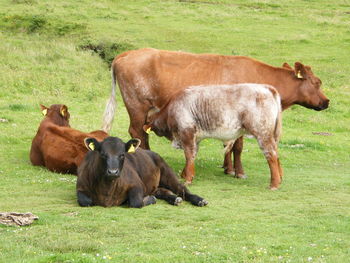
point(112, 152)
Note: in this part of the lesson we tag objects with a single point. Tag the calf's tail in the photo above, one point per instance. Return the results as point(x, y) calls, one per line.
point(278, 124)
point(108, 115)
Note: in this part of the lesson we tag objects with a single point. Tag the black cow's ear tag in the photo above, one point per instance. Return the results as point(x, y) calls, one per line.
point(132, 145)
point(90, 144)
point(131, 149)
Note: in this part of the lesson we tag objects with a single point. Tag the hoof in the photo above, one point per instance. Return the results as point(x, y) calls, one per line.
point(241, 176)
point(178, 201)
point(273, 188)
point(232, 172)
point(202, 203)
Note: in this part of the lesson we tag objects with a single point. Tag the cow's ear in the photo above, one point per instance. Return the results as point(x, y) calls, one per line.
point(147, 128)
point(92, 144)
point(132, 145)
point(64, 111)
point(43, 109)
point(300, 71)
point(286, 65)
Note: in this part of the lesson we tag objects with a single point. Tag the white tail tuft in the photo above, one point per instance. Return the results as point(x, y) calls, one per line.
point(111, 105)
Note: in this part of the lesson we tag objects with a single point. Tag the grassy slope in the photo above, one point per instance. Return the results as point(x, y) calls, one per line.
point(306, 220)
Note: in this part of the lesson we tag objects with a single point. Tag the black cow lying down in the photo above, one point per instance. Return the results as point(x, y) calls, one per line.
point(114, 173)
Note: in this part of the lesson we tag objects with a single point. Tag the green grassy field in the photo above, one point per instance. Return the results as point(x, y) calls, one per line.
point(45, 58)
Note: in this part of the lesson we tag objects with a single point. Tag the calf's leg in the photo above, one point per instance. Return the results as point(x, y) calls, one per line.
point(237, 171)
point(83, 199)
point(135, 197)
point(169, 182)
point(169, 196)
point(190, 149)
point(269, 147)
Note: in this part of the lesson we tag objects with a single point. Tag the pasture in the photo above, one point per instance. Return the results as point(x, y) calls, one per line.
point(59, 52)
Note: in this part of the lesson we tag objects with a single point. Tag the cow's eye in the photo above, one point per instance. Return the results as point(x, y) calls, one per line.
point(104, 155)
point(121, 157)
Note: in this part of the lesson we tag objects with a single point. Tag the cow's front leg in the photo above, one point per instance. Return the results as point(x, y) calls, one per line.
point(137, 200)
point(83, 199)
point(190, 149)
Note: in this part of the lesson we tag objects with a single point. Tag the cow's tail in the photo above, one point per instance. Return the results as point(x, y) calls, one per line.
point(278, 124)
point(108, 115)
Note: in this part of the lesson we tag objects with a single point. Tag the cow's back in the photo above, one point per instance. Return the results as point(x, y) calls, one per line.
point(145, 165)
point(222, 111)
point(156, 75)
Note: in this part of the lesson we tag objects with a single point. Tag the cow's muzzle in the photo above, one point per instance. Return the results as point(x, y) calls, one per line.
point(113, 173)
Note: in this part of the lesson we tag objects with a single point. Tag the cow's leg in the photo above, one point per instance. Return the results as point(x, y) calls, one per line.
point(135, 197)
point(84, 200)
point(169, 181)
point(237, 169)
point(36, 156)
point(149, 200)
point(169, 196)
point(269, 148)
point(190, 149)
point(138, 115)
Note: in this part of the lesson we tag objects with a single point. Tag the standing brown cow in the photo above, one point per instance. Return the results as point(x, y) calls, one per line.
point(148, 78)
point(57, 146)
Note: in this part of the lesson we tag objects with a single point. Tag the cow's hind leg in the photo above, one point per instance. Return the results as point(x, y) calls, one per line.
point(269, 148)
point(169, 180)
point(169, 196)
point(237, 169)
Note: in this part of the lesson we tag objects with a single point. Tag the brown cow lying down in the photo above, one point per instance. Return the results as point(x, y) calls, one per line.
point(224, 112)
point(57, 146)
point(114, 173)
point(148, 78)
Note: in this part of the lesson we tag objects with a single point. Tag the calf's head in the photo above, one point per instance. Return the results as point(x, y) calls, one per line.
point(112, 152)
point(309, 93)
point(56, 113)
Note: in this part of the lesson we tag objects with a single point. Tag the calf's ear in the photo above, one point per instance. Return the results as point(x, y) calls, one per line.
point(132, 145)
point(92, 144)
point(64, 111)
point(43, 109)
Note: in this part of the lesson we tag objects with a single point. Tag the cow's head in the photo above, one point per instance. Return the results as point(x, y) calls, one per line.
point(112, 152)
point(309, 93)
point(57, 113)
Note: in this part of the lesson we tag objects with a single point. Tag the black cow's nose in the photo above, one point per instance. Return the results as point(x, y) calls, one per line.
point(113, 171)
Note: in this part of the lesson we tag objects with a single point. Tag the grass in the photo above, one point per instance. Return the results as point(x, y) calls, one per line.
point(44, 61)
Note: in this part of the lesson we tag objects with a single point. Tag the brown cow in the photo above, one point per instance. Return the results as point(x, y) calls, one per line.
point(224, 112)
point(148, 78)
point(114, 173)
point(57, 146)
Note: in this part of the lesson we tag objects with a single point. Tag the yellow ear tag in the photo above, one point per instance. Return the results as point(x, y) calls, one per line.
point(131, 149)
point(299, 76)
point(148, 131)
point(92, 146)
point(62, 112)
point(44, 112)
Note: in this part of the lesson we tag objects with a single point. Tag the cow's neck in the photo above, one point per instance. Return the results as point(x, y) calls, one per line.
point(287, 85)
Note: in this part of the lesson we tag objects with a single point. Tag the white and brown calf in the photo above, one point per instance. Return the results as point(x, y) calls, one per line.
point(223, 112)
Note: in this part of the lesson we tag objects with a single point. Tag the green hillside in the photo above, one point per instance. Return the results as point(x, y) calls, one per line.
point(60, 52)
